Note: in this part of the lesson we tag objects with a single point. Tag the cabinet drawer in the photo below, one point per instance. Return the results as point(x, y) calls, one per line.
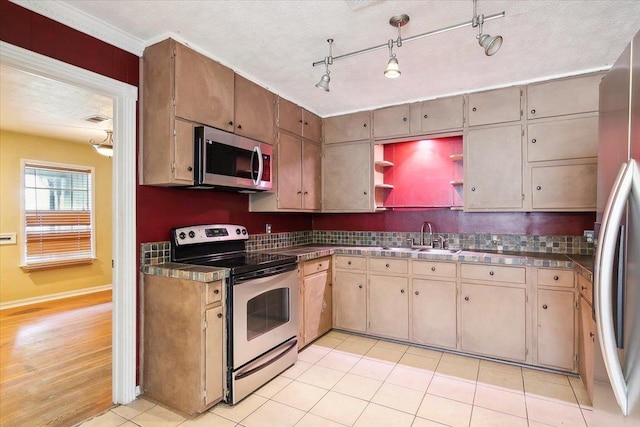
point(316, 265)
point(351, 262)
point(213, 292)
point(389, 265)
point(585, 287)
point(555, 277)
point(435, 269)
point(493, 273)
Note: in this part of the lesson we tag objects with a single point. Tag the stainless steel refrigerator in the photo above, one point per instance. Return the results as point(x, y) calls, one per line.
point(616, 388)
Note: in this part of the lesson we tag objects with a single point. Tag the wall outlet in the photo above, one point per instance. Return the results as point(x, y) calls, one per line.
point(590, 235)
point(267, 228)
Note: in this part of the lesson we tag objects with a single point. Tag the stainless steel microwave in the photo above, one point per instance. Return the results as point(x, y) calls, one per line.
point(226, 161)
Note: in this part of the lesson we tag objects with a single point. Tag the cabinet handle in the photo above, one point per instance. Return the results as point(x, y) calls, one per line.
point(306, 123)
point(219, 315)
point(365, 193)
point(300, 121)
point(402, 291)
point(466, 298)
point(216, 291)
point(404, 119)
point(473, 109)
point(189, 168)
point(533, 111)
point(473, 188)
point(433, 269)
point(417, 292)
point(583, 287)
point(239, 126)
point(365, 125)
point(319, 266)
point(426, 116)
point(348, 262)
point(544, 306)
point(533, 141)
point(538, 188)
point(230, 123)
point(591, 334)
point(491, 273)
point(306, 192)
point(386, 265)
point(299, 192)
point(360, 286)
point(555, 277)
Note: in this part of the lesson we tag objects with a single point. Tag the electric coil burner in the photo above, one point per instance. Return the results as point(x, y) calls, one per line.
point(261, 302)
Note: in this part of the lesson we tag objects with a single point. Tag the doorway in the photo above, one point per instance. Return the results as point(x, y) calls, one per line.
point(124, 98)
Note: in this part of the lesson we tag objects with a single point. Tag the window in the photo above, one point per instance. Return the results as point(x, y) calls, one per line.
point(58, 215)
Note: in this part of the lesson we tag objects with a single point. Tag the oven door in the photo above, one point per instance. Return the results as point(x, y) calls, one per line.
point(265, 315)
point(230, 161)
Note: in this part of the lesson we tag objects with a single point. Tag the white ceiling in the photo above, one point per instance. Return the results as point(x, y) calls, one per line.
point(275, 42)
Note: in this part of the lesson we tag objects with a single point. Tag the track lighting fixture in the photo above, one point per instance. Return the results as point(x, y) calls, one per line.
point(490, 44)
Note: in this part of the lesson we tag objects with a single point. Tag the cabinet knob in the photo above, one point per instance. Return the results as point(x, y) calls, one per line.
point(360, 286)
point(239, 126)
point(466, 298)
point(433, 269)
point(348, 262)
point(426, 116)
point(299, 192)
point(306, 123)
point(417, 292)
point(533, 111)
point(545, 306)
point(404, 119)
point(365, 193)
point(386, 265)
point(555, 277)
point(402, 291)
point(364, 125)
point(230, 123)
point(538, 187)
point(306, 192)
point(219, 315)
point(300, 121)
point(474, 109)
point(473, 188)
point(491, 273)
point(583, 287)
point(216, 291)
point(591, 334)
point(189, 168)
point(533, 141)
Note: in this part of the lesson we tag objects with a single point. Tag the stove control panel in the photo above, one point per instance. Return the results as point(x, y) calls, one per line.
point(194, 234)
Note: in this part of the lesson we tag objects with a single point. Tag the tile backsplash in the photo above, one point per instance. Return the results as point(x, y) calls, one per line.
point(155, 253)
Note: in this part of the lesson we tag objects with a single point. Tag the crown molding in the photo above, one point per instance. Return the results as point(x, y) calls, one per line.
point(83, 22)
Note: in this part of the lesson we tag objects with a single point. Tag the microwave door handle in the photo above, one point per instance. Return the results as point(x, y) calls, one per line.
point(199, 161)
point(258, 178)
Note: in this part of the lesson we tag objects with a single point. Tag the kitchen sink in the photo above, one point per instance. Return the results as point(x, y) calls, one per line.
point(437, 251)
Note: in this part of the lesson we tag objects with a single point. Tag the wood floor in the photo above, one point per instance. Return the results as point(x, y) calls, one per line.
point(55, 361)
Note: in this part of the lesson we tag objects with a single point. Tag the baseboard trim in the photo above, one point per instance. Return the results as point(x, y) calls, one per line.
point(51, 297)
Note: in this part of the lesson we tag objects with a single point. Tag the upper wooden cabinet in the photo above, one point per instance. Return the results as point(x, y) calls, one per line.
point(347, 177)
point(254, 111)
point(298, 121)
point(391, 121)
point(564, 187)
point(575, 138)
point(179, 83)
point(494, 106)
point(442, 114)
point(346, 128)
point(566, 96)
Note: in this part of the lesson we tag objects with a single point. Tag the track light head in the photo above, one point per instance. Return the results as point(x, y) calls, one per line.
point(324, 82)
point(491, 44)
point(393, 68)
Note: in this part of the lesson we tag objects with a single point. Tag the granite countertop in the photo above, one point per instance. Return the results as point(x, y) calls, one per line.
point(198, 273)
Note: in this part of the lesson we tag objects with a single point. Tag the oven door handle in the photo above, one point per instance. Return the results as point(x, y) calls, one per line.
point(248, 370)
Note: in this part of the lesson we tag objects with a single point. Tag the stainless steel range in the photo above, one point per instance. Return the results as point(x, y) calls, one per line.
point(261, 302)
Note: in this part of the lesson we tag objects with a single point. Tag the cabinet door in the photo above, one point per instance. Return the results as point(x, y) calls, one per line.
point(289, 172)
point(289, 117)
point(254, 111)
point(434, 313)
point(346, 173)
point(493, 168)
point(566, 96)
point(556, 329)
point(317, 305)
point(350, 301)
point(443, 114)
point(586, 345)
point(494, 106)
point(494, 321)
point(389, 306)
point(562, 139)
point(311, 126)
point(391, 121)
point(311, 175)
point(183, 152)
point(349, 127)
point(565, 187)
point(203, 89)
point(213, 355)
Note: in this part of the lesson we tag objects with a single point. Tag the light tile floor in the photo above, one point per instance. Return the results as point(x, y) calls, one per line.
point(348, 380)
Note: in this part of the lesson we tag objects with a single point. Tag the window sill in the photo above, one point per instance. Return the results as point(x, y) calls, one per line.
point(56, 264)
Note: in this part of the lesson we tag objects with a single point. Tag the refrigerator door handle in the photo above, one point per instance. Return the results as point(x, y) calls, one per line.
point(627, 185)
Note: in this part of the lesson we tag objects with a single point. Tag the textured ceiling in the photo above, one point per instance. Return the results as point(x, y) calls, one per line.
point(275, 42)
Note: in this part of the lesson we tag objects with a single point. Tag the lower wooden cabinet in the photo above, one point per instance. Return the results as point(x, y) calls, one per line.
point(316, 300)
point(434, 313)
point(350, 301)
point(494, 321)
point(183, 362)
point(389, 306)
point(555, 313)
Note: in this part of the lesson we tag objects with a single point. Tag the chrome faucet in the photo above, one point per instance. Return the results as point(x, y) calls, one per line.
point(422, 242)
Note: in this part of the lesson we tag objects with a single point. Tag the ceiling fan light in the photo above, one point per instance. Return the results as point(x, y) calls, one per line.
point(491, 44)
point(324, 82)
point(393, 68)
point(104, 149)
